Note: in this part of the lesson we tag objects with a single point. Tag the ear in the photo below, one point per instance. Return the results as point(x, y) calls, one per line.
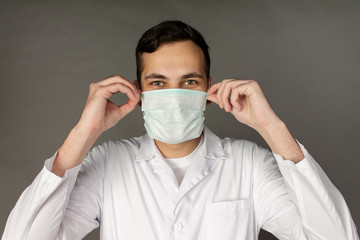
point(209, 82)
point(136, 83)
point(209, 86)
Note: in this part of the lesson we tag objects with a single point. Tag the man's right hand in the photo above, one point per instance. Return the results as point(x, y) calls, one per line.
point(99, 114)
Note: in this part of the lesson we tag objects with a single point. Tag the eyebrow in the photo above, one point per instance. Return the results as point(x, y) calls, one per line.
point(192, 75)
point(155, 76)
point(186, 76)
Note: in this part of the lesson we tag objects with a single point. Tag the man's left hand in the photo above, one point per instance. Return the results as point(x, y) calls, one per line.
point(245, 100)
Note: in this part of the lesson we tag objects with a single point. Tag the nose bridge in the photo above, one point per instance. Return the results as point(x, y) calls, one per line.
point(174, 83)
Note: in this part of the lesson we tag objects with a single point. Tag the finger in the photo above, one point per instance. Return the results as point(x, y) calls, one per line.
point(213, 88)
point(213, 98)
point(225, 94)
point(228, 91)
point(131, 85)
point(112, 79)
point(115, 113)
point(235, 99)
point(101, 86)
point(114, 88)
point(240, 92)
point(220, 94)
point(128, 107)
point(119, 79)
point(212, 93)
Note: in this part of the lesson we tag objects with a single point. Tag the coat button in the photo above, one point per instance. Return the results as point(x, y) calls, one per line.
point(178, 226)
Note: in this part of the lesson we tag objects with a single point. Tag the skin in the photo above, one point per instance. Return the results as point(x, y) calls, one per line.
point(174, 65)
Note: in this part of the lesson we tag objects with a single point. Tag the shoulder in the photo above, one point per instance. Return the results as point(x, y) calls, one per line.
point(246, 151)
point(117, 145)
point(237, 149)
point(114, 149)
point(242, 146)
point(248, 155)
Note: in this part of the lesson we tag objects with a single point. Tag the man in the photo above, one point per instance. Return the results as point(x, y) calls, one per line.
point(180, 181)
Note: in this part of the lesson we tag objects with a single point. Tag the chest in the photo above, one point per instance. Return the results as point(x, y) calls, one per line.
point(144, 201)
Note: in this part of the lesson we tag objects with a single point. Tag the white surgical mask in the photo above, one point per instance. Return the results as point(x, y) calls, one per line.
point(174, 115)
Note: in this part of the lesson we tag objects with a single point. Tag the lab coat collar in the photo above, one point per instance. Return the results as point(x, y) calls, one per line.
point(212, 147)
point(147, 149)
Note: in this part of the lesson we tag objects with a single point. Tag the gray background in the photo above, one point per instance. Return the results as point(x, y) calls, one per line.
point(304, 54)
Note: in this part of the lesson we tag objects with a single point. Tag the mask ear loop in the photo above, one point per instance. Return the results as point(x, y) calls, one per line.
point(137, 84)
point(209, 84)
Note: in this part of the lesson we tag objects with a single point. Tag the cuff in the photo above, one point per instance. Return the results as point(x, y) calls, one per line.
point(303, 165)
point(70, 173)
point(306, 182)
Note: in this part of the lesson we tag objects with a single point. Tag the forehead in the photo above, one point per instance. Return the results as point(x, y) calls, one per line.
point(177, 57)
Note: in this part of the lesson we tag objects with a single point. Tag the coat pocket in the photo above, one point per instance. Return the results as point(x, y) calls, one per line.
point(230, 220)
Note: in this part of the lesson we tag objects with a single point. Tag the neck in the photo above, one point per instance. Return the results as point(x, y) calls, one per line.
point(177, 150)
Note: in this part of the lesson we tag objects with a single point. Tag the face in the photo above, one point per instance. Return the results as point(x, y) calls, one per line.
point(174, 65)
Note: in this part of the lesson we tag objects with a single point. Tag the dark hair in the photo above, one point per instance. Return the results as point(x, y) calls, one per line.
point(169, 32)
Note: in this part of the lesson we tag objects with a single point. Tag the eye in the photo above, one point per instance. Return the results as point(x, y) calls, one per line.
point(190, 82)
point(157, 83)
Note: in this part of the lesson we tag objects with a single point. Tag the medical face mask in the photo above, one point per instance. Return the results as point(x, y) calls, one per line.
point(174, 115)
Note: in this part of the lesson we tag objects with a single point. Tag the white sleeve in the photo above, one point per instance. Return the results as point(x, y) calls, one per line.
point(49, 193)
point(320, 209)
point(52, 208)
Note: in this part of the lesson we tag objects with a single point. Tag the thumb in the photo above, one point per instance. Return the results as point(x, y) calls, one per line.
point(213, 98)
point(129, 106)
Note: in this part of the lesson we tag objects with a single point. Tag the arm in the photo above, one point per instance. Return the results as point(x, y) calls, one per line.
point(46, 208)
point(298, 201)
point(249, 106)
point(306, 183)
point(322, 209)
point(99, 114)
